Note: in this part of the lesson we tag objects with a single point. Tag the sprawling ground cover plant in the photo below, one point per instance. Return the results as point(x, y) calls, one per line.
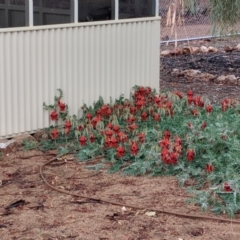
point(159, 134)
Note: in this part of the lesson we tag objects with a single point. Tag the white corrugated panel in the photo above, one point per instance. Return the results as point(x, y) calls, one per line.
point(85, 60)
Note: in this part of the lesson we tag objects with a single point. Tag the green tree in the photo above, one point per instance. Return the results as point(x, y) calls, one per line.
point(225, 16)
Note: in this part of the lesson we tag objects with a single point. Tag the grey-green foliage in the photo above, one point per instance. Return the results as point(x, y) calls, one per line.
point(29, 144)
point(192, 6)
point(225, 15)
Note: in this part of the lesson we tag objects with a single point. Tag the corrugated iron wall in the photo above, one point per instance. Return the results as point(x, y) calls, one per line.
point(85, 60)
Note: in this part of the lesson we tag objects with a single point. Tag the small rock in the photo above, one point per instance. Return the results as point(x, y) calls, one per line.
point(206, 77)
point(41, 135)
point(195, 49)
point(165, 53)
point(228, 49)
point(221, 79)
point(7, 146)
point(175, 70)
point(231, 79)
point(238, 47)
point(203, 49)
point(177, 73)
point(19, 139)
point(187, 50)
point(191, 72)
point(176, 51)
point(212, 49)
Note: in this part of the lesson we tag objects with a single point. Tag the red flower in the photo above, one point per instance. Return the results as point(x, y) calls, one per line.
point(209, 108)
point(177, 148)
point(104, 108)
point(190, 93)
point(141, 137)
point(114, 142)
point(122, 136)
point(204, 125)
point(201, 103)
point(133, 127)
point(82, 140)
point(131, 119)
point(54, 116)
point(95, 120)
point(197, 100)
point(120, 151)
point(157, 100)
point(195, 112)
point(109, 133)
point(140, 103)
point(134, 148)
point(177, 145)
point(109, 125)
point(156, 117)
point(227, 187)
point(68, 124)
point(108, 112)
point(116, 128)
point(165, 155)
point(99, 112)
point(144, 116)
point(89, 116)
point(165, 143)
point(67, 131)
point(80, 127)
point(225, 104)
point(169, 105)
point(92, 138)
point(173, 157)
point(148, 90)
point(209, 168)
point(178, 140)
point(190, 99)
point(62, 106)
point(54, 133)
point(141, 90)
point(226, 100)
point(179, 94)
point(161, 105)
point(167, 135)
point(108, 142)
point(190, 154)
point(127, 104)
point(133, 110)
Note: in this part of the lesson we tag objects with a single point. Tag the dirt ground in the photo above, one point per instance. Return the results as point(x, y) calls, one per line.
point(44, 213)
point(30, 209)
point(201, 61)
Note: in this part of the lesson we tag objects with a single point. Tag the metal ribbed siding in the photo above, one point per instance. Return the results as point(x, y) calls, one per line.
point(84, 60)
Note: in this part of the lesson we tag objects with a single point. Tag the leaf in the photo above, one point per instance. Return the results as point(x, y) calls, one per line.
point(96, 167)
point(150, 214)
point(218, 124)
point(48, 107)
